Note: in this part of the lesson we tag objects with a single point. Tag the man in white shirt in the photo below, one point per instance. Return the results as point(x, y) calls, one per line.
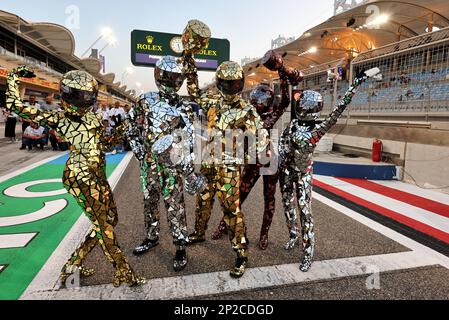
point(117, 115)
point(34, 136)
point(33, 103)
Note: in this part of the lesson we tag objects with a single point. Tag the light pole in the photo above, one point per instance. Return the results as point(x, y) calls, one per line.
point(128, 71)
point(112, 42)
point(106, 32)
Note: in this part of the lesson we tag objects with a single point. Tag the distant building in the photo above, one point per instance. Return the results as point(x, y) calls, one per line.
point(345, 5)
point(281, 41)
point(247, 60)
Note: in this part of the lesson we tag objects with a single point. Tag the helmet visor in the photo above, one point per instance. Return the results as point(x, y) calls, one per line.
point(262, 98)
point(78, 98)
point(230, 87)
point(169, 79)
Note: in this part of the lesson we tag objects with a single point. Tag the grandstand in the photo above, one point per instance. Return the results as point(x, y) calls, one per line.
point(408, 107)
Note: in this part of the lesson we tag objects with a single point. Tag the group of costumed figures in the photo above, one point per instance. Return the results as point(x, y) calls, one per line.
point(162, 122)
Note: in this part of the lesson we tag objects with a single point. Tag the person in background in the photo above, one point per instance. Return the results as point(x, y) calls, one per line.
point(104, 111)
point(117, 116)
point(33, 136)
point(32, 103)
point(126, 145)
point(109, 131)
point(49, 105)
point(10, 125)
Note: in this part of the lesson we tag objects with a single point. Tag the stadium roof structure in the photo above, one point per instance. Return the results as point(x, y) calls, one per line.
point(371, 25)
point(58, 41)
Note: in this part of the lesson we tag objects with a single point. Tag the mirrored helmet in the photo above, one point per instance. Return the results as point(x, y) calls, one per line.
point(230, 80)
point(310, 106)
point(168, 75)
point(79, 91)
point(262, 97)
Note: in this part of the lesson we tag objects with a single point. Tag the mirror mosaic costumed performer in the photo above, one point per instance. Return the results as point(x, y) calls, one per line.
point(225, 112)
point(166, 115)
point(296, 148)
point(270, 111)
point(84, 175)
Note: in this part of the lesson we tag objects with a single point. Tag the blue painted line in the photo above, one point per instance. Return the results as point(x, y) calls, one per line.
point(356, 171)
point(110, 159)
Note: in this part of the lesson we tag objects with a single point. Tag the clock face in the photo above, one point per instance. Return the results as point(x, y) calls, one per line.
point(176, 45)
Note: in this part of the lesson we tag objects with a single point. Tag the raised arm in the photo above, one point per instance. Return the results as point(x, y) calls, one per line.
point(341, 106)
point(191, 74)
point(280, 108)
point(14, 102)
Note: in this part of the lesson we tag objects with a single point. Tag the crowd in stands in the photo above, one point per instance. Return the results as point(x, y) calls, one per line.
point(403, 89)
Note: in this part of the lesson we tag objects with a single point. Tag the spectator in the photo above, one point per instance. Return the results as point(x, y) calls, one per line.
point(33, 103)
point(400, 98)
point(117, 114)
point(126, 144)
point(10, 125)
point(104, 111)
point(108, 129)
point(48, 104)
point(33, 137)
point(409, 93)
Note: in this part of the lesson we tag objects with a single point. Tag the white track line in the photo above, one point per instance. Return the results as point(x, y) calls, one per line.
point(255, 278)
point(28, 168)
point(19, 240)
point(409, 188)
point(418, 214)
point(48, 276)
point(50, 208)
point(426, 252)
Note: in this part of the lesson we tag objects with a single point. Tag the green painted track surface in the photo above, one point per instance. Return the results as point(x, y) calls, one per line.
point(21, 265)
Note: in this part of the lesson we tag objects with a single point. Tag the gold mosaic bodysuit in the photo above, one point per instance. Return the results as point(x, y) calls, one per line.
point(84, 176)
point(223, 170)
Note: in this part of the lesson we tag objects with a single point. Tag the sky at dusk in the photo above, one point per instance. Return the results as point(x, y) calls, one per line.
point(249, 25)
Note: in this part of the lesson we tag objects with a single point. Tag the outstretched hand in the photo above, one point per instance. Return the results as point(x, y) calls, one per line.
point(24, 72)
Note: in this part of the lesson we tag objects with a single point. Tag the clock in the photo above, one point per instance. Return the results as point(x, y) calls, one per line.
point(176, 45)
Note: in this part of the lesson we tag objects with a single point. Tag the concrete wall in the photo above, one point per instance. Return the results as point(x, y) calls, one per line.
point(428, 165)
point(425, 164)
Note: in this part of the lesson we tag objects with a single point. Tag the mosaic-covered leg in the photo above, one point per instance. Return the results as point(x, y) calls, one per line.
point(304, 197)
point(152, 193)
point(94, 195)
point(76, 261)
point(228, 192)
point(269, 192)
point(173, 192)
point(204, 205)
point(249, 178)
point(287, 179)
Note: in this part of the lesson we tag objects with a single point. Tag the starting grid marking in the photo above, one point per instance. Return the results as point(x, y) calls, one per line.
point(28, 225)
point(48, 277)
point(9, 241)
